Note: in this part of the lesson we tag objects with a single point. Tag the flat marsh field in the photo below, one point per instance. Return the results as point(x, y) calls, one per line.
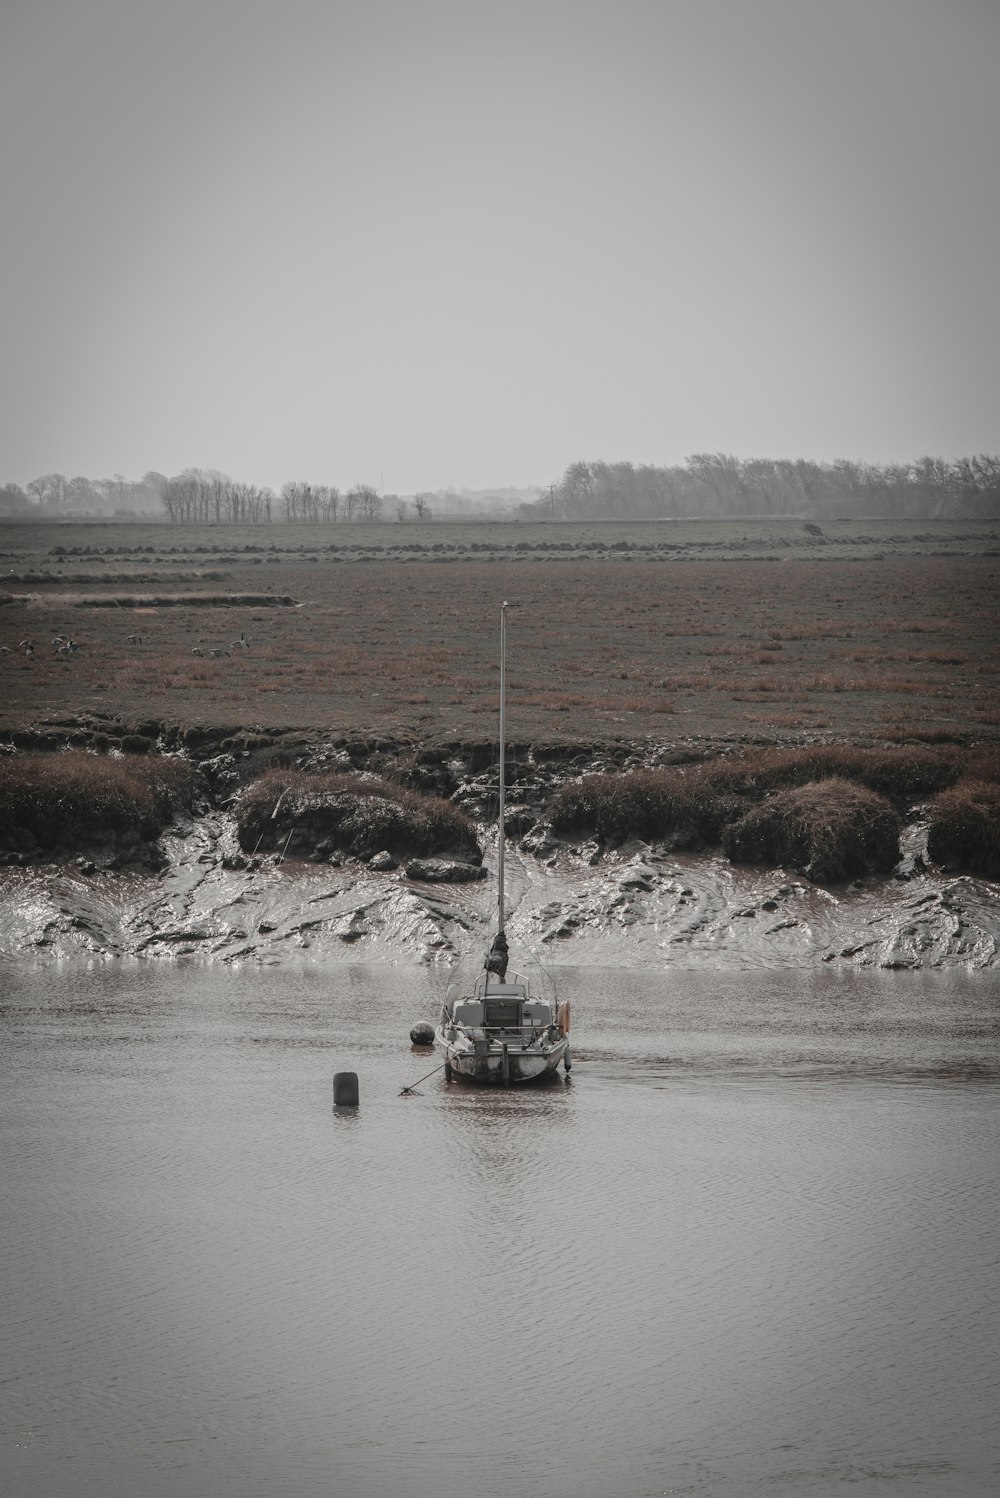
point(767, 630)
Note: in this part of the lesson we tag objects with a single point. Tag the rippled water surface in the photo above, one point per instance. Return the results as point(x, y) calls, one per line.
point(751, 1246)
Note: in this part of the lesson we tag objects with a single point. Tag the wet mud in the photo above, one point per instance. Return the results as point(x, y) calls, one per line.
point(638, 906)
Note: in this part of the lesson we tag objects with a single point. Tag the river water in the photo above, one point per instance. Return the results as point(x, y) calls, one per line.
point(749, 1247)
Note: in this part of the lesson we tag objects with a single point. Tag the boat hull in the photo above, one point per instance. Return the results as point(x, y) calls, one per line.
point(492, 1069)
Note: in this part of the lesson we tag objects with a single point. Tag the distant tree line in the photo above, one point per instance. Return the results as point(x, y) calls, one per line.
point(54, 495)
point(195, 497)
point(704, 485)
point(321, 503)
point(718, 484)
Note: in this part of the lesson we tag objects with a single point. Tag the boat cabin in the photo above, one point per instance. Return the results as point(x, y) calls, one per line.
point(501, 1006)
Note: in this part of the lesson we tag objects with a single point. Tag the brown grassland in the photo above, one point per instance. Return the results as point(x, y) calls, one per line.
point(705, 632)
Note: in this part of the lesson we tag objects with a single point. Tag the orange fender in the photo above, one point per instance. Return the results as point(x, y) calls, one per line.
point(562, 1014)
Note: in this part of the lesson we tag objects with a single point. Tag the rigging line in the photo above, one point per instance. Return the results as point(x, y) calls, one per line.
point(411, 1090)
point(476, 905)
point(479, 903)
point(547, 971)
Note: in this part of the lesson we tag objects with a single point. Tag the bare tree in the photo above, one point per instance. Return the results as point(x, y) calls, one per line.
point(49, 491)
point(366, 501)
point(294, 495)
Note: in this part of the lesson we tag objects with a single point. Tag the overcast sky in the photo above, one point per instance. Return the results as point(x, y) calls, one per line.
point(420, 243)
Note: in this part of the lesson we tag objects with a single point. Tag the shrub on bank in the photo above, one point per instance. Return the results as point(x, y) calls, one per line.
point(685, 806)
point(964, 831)
point(831, 829)
point(74, 801)
point(691, 804)
point(902, 773)
point(354, 814)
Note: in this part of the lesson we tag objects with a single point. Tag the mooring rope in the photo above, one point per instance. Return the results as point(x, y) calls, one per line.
point(411, 1091)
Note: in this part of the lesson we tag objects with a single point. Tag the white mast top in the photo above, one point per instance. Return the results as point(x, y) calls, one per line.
point(503, 753)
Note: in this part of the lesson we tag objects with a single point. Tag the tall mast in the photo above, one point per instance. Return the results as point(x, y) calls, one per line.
point(503, 753)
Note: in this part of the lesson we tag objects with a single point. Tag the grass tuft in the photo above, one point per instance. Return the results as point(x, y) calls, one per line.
point(830, 830)
point(71, 801)
point(681, 805)
point(691, 805)
point(354, 814)
point(964, 830)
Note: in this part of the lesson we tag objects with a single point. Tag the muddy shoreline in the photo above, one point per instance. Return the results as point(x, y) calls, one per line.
point(195, 893)
point(638, 907)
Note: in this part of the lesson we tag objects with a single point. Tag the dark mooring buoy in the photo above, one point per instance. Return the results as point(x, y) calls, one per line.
point(422, 1033)
point(345, 1089)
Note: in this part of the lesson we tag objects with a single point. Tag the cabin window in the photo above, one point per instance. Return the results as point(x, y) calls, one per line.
point(503, 1014)
point(468, 1014)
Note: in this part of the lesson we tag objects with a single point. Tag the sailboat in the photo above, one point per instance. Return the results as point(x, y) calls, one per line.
point(495, 1031)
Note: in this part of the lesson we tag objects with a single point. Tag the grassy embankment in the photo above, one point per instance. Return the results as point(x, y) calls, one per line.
point(358, 815)
point(832, 811)
point(75, 802)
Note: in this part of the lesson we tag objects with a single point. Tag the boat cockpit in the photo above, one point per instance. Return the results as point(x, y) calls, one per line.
point(499, 1008)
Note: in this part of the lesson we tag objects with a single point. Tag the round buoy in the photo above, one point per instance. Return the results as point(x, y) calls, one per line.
point(422, 1033)
point(345, 1089)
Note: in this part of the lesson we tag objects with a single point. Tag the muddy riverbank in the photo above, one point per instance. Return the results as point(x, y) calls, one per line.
point(636, 905)
point(218, 888)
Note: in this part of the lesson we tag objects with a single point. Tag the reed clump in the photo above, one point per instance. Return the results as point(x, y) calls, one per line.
point(692, 804)
point(900, 772)
point(311, 814)
point(75, 801)
point(683, 806)
point(830, 830)
point(964, 830)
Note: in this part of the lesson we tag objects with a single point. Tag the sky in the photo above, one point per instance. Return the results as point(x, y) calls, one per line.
point(431, 243)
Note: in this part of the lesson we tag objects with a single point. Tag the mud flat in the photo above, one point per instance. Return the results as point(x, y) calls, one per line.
point(635, 906)
point(368, 850)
